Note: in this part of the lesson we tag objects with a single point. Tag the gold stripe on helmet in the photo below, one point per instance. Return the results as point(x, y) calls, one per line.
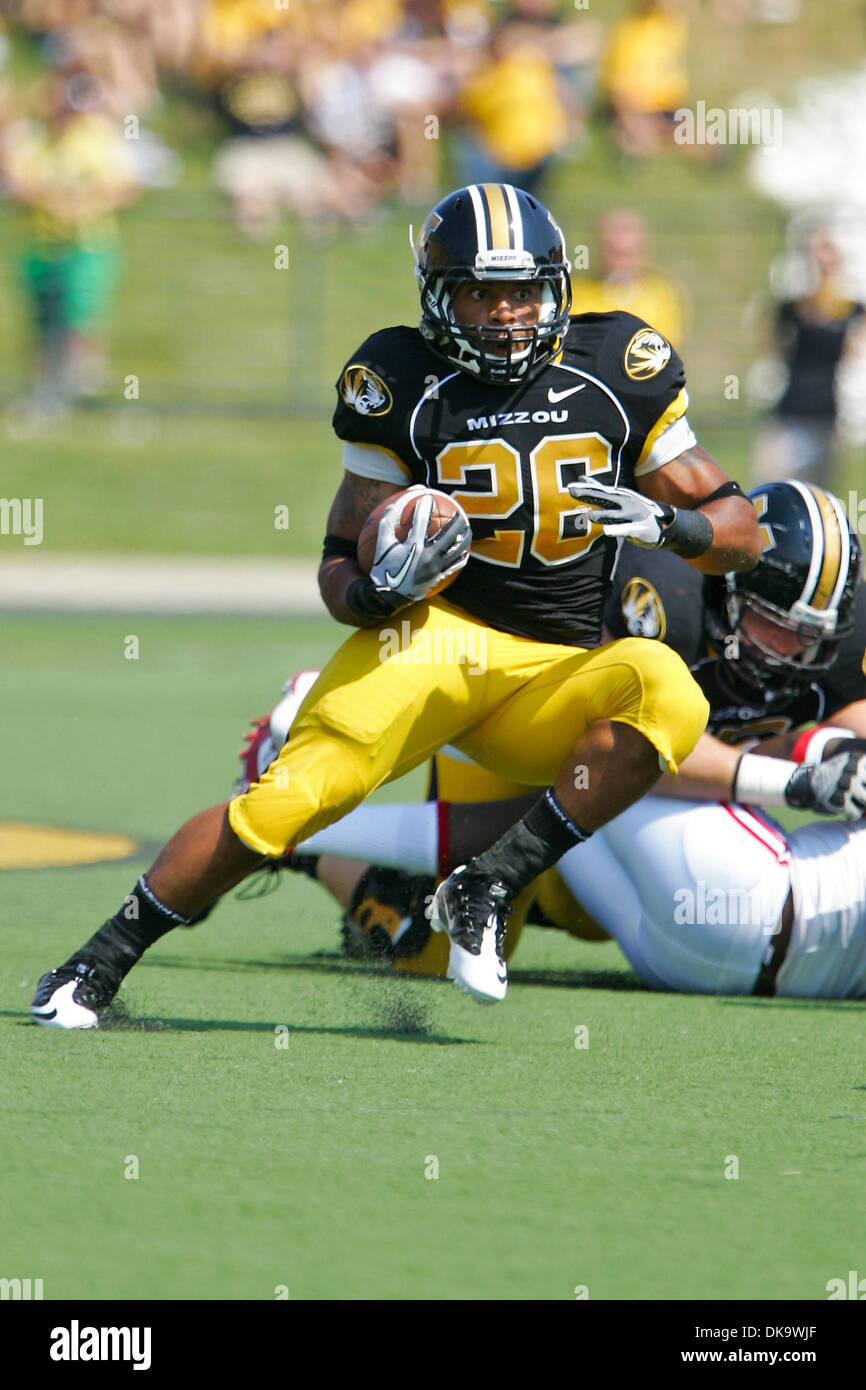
point(501, 237)
point(826, 584)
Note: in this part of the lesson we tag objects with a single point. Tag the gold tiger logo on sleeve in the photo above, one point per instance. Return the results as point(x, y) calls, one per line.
point(364, 391)
point(647, 354)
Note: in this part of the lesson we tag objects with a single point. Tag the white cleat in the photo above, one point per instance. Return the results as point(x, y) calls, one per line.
point(70, 996)
point(473, 909)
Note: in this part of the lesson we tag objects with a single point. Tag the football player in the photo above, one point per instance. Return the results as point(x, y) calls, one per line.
point(701, 897)
point(559, 438)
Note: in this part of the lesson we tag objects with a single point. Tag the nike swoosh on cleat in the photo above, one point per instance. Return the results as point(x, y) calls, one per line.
point(394, 579)
point(555, 396)
point(38, 1014)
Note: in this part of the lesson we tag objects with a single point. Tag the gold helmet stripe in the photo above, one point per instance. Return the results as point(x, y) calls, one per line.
point(833, 548)
point(501, 235)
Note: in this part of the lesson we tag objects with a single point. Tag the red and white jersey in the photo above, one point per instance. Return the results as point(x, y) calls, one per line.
point(693, 894)
point(827, 955)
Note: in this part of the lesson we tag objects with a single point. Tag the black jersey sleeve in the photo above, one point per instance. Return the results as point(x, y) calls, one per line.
point(378, 390)
point(646, 374)
point(845, 681)
point(657, 594)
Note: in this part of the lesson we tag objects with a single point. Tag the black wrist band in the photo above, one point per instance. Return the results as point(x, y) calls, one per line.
point(363, 598)
point(689, 534)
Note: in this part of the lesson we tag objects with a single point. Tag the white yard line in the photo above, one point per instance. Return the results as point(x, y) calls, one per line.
point(157, 584)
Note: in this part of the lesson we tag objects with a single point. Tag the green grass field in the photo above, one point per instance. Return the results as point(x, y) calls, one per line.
point(261, 1166)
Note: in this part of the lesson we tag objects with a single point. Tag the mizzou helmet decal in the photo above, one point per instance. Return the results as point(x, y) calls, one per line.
point(643, 610)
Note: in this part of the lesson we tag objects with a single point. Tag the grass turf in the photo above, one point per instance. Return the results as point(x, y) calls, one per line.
point(304, 1166)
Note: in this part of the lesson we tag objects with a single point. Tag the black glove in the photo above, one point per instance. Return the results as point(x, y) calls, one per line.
point(837, 784)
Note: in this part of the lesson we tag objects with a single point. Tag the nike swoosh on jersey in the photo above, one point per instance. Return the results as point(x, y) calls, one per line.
point(555, 396)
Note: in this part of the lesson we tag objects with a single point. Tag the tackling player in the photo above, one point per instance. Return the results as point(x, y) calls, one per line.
point(559, 437)
point(701, 897)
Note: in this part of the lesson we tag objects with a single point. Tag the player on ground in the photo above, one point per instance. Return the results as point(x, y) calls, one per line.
point(503, 401)
point(701, 897)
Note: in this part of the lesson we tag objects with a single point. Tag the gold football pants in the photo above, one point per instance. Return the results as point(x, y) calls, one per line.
point(391, 696)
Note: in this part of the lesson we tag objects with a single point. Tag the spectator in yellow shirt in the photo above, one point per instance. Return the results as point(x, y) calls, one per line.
point(515, 113)
point(625, 281)
point(643, 76)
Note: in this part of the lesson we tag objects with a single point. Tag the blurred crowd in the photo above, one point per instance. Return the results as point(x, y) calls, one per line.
point(322, 109)
point(326, 107)
point(318, 109)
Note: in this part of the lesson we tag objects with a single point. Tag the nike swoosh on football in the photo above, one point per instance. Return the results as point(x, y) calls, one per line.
point(394, 579)
point(555, 396)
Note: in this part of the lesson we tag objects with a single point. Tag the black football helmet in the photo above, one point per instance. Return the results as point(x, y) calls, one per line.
point(486, 232)
point(806, 581)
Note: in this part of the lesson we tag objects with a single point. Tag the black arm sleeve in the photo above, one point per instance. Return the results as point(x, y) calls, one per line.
point(338, 545)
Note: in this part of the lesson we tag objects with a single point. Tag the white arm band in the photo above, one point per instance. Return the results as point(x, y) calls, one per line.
point(761, 781)
point(817, 741)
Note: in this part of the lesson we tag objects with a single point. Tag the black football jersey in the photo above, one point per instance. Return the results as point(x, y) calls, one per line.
point(657, 594)
point(508, 453)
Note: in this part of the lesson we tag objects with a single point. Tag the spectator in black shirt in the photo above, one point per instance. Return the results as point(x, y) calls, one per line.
point(812, 334)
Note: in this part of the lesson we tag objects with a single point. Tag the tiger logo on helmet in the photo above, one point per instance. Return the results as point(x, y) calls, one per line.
point(643, 610)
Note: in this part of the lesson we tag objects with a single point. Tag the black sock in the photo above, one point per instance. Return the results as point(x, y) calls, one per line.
point(532, 845)
point(124, 938)
point(199, 916)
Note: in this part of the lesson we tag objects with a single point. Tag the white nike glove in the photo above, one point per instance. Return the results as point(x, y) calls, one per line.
point(406, 571)
point(620, 511)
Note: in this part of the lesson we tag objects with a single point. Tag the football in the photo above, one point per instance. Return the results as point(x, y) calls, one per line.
point(443, 510)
